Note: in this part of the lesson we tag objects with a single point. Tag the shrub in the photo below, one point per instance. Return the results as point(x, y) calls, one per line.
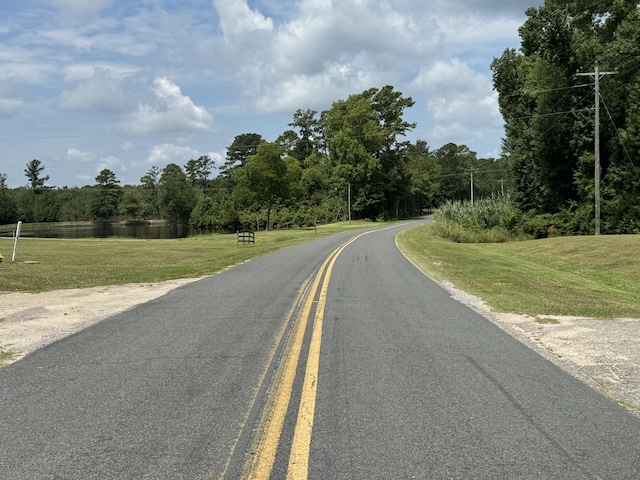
point(490, 220)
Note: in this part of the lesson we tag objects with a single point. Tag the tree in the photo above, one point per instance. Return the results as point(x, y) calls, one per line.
point(424, 173)
point(308, 138)
point(267, 178)
point(107, 196)
point(151, 192)
point(30, 210)
point(243, 146)
point(33, 172)
point(131, 205)
point(362, 135)
point(198, 171)
point(177, 194)
point(8, 205)
point(548, 110)
point(456, 162)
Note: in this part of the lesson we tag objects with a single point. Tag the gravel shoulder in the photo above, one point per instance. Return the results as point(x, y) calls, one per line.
point(602, 353)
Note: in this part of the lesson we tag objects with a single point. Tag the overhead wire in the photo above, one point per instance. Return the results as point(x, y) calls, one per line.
point(624, 148)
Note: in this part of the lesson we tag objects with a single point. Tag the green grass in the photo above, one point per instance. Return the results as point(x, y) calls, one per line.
point(93, 262)
point(583, 276)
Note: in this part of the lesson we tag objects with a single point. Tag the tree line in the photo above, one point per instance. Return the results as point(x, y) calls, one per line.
point(548, 109)
point(353, 155)
point(359, 147)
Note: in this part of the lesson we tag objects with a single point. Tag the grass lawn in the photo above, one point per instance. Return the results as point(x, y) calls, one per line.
point(61, 263)
point(583, 276)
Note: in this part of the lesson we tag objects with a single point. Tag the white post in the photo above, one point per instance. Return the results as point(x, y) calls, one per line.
point(15, 242)
point(349, 203)
point(472, 187)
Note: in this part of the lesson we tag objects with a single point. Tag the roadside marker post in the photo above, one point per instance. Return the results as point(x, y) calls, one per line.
point(15, 242)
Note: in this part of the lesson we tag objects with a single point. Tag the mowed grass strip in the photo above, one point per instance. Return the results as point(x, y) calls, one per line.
point(578, 276)
point(95, 262)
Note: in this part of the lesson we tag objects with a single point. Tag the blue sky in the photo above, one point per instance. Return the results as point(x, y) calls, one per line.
point(130, 84)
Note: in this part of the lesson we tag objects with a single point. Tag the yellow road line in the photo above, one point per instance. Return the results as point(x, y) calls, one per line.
point(267, 438)
point(270, 427)
point(270, 356)
point(300, 448)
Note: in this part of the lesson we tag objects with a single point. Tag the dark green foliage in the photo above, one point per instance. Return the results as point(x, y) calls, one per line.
point(150, 197)
point(33, 172)
point(218, 212)
point(363, 137)
point(176, 193)
point(8, 204)
point(243, 146)
point(267, 178)
point(548, 113)
point(106, 196)
point(198, 171)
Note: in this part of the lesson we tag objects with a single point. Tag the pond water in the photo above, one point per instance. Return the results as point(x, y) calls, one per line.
point(143, 230)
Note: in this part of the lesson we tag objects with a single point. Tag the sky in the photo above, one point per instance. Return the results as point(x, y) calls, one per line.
point(124, 85)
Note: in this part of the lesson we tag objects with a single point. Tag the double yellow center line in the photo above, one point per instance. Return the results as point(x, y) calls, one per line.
point(267, 438)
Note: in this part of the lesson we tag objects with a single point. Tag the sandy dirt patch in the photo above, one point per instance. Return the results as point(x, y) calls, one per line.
point(29, 321)
point(603, 353)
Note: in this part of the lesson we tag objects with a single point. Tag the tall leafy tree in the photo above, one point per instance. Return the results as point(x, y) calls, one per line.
point(131, 205)
point(456, 163)
point(424, 173)
point(548, 111)
point(267, 178)
point(107, 195)
point(199, 170)
point(243, 146)
point(177, 194)
point(363, 139)
point(151, 192)
point(34, 174)
point(30, 209)
point(8, 205)
point(309, 133)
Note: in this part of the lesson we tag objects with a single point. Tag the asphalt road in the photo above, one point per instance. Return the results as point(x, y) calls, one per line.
point(336, 359)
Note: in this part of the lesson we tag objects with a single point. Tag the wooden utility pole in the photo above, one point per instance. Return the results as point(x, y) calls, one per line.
point(471, 170)
point(597, 75)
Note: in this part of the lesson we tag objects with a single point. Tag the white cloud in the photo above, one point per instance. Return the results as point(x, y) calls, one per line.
point(79, 72)
point(243, 60)
point(460, 100)
point(167, 111)
point(237, 19)
point(218, 158)
point(468, 30)
point(165, 153)
point(103, 91)
point(76, 155)
point(111, 163)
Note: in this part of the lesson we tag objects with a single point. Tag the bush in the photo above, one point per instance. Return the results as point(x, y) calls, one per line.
point(490, 220)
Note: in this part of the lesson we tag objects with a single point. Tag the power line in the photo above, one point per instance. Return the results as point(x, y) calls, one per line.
point(624, 148)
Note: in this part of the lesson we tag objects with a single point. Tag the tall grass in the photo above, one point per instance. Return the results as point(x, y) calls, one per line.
point(489, 220)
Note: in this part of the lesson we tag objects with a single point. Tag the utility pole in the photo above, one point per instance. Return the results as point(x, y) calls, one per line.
point(471, 170)
point(597, 75)
point(349, 203)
